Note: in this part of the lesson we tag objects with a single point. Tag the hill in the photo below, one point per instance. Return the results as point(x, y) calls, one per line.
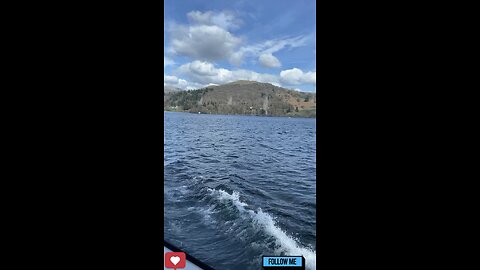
point(169, 89)
point(243, 97)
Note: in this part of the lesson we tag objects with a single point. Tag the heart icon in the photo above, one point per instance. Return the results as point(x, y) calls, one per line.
point(175, 259)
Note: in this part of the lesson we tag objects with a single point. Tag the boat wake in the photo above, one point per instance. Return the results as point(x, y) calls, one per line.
point(284, 244)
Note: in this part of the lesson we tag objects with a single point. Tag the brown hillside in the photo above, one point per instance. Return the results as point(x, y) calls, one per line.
point(244, 97)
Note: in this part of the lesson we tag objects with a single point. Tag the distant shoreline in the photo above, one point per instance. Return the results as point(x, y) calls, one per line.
point(284, 116)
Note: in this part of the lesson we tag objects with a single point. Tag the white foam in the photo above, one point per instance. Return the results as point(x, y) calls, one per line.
point(234, 197)
point(206, 213)
point(286, 243)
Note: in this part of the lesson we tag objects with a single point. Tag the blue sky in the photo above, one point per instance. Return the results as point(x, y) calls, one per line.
point(216, 42)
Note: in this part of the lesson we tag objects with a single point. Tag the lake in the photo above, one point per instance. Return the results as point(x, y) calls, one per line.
point(239, 187)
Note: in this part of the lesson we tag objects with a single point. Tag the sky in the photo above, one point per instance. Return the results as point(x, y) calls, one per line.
point(219, 41)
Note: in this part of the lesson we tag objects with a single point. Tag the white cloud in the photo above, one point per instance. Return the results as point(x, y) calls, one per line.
point(236, 58)
point(297, 76)
point(202, 68)
point(273, 46)
point(224, 19)
point(201, 73)
point(174, 81)
point(206, 73)
point(207, 37)
point(268, 48)
point(204, 42)
point(180, 83)
point(270, 61)
point(169, 80)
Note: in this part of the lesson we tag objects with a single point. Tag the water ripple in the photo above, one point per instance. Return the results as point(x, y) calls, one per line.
point(242, 184)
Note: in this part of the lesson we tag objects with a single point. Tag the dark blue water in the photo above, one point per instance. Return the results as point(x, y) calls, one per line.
point(239, 187)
